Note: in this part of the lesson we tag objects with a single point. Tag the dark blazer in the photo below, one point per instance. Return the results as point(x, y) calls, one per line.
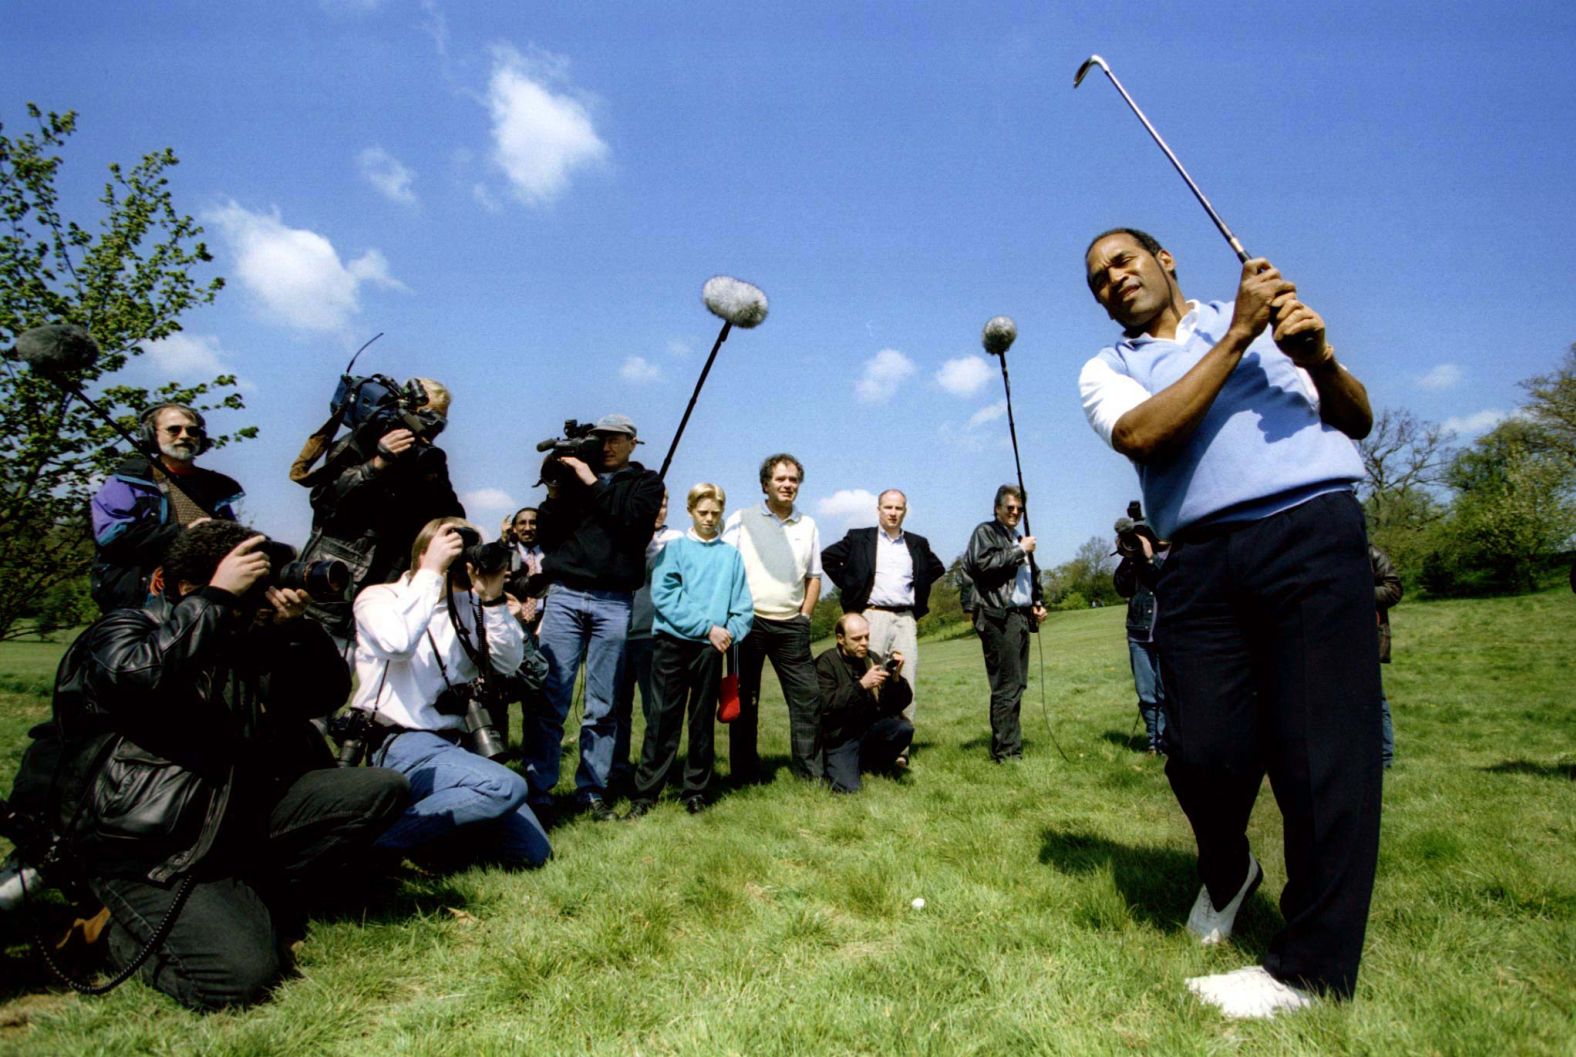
point(848, 710)
point(850, 563)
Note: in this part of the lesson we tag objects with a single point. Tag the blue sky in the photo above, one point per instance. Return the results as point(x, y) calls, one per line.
point(526, 198)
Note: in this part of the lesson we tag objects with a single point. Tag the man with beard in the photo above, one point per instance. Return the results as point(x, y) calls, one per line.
point(144, 505)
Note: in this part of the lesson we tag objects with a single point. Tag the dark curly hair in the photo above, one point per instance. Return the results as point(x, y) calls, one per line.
point(197, 552)
point(771, 462)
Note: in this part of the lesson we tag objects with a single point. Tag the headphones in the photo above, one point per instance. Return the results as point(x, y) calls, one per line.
point(149, 431)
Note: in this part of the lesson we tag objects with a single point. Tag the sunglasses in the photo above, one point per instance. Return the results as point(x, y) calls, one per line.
point(190, 431)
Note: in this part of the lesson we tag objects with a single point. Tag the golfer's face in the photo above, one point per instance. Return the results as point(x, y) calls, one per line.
point(1130, 283)
point(784, 483)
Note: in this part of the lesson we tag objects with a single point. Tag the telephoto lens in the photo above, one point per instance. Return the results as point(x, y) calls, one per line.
point(486, 742)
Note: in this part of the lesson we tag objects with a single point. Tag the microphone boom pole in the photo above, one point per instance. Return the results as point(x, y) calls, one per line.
point(738, 304)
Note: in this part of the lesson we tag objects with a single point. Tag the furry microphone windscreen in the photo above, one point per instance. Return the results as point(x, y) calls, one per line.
point(999, 335)
point(735, 300)
point(57, 349)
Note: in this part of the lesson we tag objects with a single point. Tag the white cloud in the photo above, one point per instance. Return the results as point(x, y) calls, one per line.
point(296, 275)
point(539, 137)
point(1478, 422)
point(487, 501)
point(988, 413)
point(1443, 376)
point(183, 355)
point(849, 507)
point(883, 373)
point(964, 376)
point(679, 348)
point(391, 177)
point(485, 198)
point(639, 370)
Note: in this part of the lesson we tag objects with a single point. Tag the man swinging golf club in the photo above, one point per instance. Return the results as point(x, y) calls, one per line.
point(1241, 425)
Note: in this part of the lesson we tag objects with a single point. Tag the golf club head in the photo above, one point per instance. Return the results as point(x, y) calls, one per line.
point(1083, 71)
point(999, 334)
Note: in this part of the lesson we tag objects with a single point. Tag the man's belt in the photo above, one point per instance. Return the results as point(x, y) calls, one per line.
point(892, 609)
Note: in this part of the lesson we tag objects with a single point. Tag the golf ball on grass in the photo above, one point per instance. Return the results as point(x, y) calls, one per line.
point(918, 903)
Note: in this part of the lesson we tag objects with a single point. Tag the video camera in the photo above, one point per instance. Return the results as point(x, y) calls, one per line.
point(1133, 528)
point(378, 404)
point(578, 442)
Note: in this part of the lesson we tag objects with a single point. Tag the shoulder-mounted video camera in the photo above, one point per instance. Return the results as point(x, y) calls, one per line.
point(378, 404)
point(578, 442)
point(1133, 528)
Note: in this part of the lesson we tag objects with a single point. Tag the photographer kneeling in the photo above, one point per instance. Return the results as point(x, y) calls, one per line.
point(421, 644)
point(862, 703)
point(188, 770)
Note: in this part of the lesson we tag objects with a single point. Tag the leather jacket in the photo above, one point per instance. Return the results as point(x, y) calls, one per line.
point(992, 563)
point(176, 721)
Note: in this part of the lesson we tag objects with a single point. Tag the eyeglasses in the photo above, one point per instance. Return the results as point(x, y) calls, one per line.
point(190, 431)
point(1012, 509)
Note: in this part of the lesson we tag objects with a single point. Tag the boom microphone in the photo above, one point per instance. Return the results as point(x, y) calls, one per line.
point(57, 350)
point(738, 304)
point(999, 334)
point(734, 300)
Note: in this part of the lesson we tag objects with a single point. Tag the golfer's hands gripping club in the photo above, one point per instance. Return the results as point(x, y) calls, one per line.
point(1265, 298)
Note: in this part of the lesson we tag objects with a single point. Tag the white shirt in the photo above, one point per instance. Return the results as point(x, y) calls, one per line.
point(397, 670)
point(779, 554)
point(894, 580)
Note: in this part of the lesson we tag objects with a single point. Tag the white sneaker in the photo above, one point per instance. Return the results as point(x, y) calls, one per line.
point(1212, 926)
point(1249, 994)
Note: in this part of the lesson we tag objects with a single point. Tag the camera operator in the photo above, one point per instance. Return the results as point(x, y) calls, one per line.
point(594, 527)
point(862, 703)
point(418, 643)
point(188, 766)
point(1135, 578)
point(143, 506)
point(374, 492)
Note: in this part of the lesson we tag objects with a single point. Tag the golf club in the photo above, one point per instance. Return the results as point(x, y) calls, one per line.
point(738, 304)
point(1095, 60)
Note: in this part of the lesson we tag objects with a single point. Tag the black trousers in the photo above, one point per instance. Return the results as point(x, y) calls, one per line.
point(787, 643)
point(685, 678)
point(877, 749)
point(1004, 636)
point(224, 949)
point(1271, 665)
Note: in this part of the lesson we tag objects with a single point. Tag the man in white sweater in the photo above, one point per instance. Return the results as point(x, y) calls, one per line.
point(408, 652)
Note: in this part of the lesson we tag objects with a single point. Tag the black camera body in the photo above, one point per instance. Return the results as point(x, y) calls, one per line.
point(890, 665)
point(487, 558)
point(377, 404)
point(470, 701)
point(1133, 528)
point(578, 442)
point(324, 581)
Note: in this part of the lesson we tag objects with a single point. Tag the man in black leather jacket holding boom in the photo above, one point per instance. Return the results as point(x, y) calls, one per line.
point(188, 766)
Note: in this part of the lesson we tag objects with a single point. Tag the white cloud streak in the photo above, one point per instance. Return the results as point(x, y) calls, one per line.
point(639, 370)
point(295, 275)
point(388, 175)
point(539, 137)
point(489, 501)
point(1478, 422)
point(883, 373)
point(964, 376)
point(848, 507)
point(184, 355)
point(1443, 376)
point(988, 413)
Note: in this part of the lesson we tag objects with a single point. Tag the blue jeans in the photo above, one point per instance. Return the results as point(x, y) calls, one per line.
point(451, 787)
point(577, 625)
point(1386, 730)
point(1151, 691)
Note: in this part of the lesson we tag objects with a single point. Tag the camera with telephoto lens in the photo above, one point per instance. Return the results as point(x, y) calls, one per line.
point(1132, 529)
point(470, 702)
point(324, 581)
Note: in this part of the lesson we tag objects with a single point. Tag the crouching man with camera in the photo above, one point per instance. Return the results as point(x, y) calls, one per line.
point(191, 790)
point(862, 703)
point(430, 648)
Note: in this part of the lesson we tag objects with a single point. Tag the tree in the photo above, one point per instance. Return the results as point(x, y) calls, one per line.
point(1553, 405)
point(128, 283)
point(1405, 460)
point(1085, 579)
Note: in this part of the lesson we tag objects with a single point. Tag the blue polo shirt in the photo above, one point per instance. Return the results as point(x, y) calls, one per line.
point(1261, 447)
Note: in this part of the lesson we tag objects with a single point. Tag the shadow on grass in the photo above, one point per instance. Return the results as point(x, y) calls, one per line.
point(1566, 771)
point(1157, 884)
point(1138, 742)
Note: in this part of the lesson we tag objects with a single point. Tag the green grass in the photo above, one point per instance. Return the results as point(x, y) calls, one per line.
point(779, 922)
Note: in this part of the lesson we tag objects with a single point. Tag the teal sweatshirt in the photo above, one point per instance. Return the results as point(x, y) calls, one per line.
point(697, 585)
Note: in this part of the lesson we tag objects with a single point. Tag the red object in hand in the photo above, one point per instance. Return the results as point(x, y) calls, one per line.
point(728, 699)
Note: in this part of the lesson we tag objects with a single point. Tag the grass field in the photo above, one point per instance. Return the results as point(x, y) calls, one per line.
point(779, 922)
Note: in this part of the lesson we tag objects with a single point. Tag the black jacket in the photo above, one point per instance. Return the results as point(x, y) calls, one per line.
point(1387, 592)
point(1135, 580)
point(368, 518)
point(178, 720)
point(848, 710)
point(850, 563)
point(594, 536)
point(991, 564)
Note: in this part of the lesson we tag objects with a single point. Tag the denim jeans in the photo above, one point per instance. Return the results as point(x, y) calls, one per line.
point(452, 787)
point(1151, 691)
point(1386, 730)
point(578, 625)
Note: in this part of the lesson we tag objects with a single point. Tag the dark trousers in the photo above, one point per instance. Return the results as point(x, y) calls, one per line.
point(876, 750)
point(787, 643)
point(1004, 636)
point(636, 673)
point(685, 678)
point(224, 949)
point(1271, 665)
